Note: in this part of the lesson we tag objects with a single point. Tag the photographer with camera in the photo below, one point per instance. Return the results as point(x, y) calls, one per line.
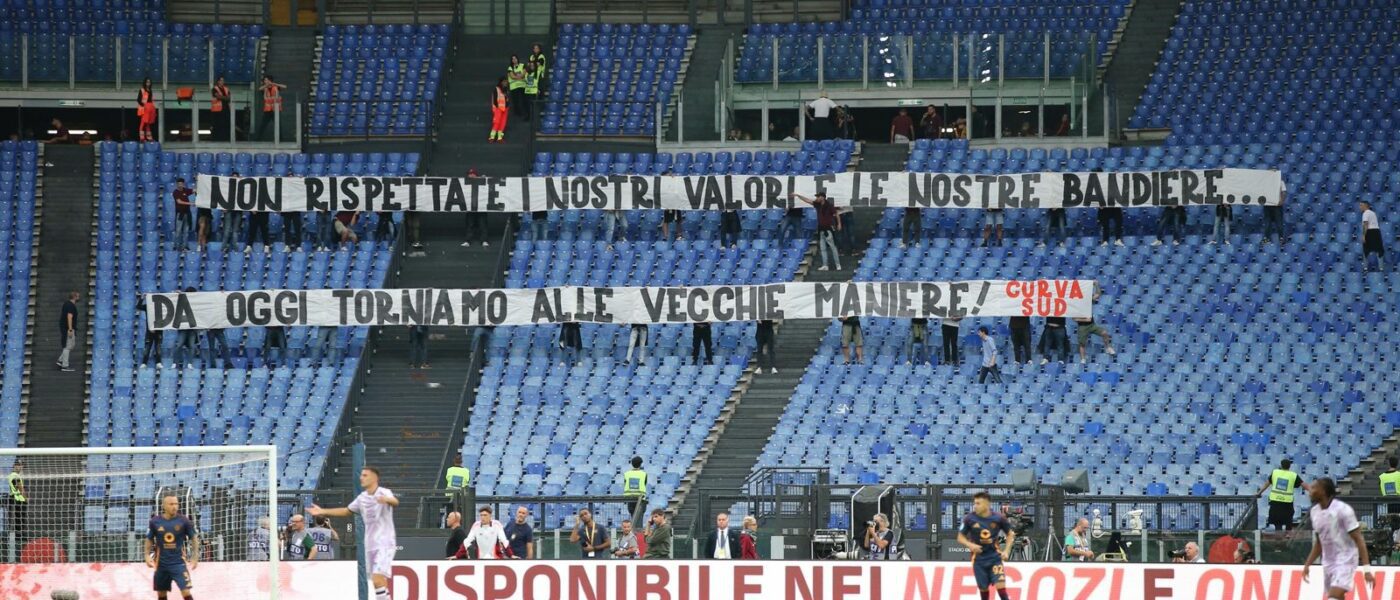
point(879, 539)
point(1244, 555)
point(1077, 542)
point(1191, 553)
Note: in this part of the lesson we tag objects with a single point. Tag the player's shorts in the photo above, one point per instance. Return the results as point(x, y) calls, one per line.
point(988, 573)
point(1339, 577)
point(379, 562)
point(180, 576)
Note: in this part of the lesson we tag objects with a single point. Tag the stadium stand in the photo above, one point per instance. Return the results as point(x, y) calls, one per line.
point(378, 79)
point(607, 79)
point(932, 25)
point(138, 27)
point(19, 163)
point(253, 400)
point(1205, 394)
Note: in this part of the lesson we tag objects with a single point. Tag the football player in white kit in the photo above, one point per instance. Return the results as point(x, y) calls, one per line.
point(1337, 539)
point(376, 505)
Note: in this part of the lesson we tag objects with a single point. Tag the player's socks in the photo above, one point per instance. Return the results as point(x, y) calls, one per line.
point(986, 595)
point(1002, 593)
point(381, 593)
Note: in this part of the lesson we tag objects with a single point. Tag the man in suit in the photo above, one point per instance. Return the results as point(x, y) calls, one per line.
point(723, 542)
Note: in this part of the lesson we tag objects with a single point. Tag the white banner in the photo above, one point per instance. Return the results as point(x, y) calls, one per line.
point(701, 580)
point(741, 192)
point(715, 303)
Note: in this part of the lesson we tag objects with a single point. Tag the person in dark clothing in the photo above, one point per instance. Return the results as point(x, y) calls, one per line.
point(1021, 339)
point(384, 227)
point(67, 326)
point(1111, 225)
point(918, 339)
point(456, 535)
point(154, 337)
point(1173, 221)
point(1273, 219)
point(291, 228)
point(792, 225)
point(700, 335)
point(183, 221)
point(418, 347)
point(274, 337)
point(258, 227)
point(1054, 226)
point(766, 339)
point(1224, 215)
point(951, 328)
point(1054, 339)
point(218, 346)
point(729, 228)
point(912, 227)
point(571, 342)
point(476, 222)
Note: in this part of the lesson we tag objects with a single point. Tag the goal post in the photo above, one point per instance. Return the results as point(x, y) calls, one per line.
point(94, 505)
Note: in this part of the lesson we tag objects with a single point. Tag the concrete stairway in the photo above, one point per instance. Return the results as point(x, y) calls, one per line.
point(465, 120)
point(698, 94)
point(287, 62)
point(1135, 58)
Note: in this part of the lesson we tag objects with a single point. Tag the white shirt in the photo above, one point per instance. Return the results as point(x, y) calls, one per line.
point(1333, 526)
point(722, 549)
point(379, 519)
point(821, 107)
point(487, 538)
point(1369, 220)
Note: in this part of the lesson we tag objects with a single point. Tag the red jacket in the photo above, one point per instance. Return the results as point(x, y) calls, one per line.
point(747, 549)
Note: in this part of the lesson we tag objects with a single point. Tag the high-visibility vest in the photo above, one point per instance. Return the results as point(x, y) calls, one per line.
point(634, 483)
point(516, 84)
point(1390, 483)
point(539, 60)
point(215, 102)
point(272, 99)
point(1281, 488)
point(532, 83)
point(500, 99)
point(15, 483)
point(458, 477)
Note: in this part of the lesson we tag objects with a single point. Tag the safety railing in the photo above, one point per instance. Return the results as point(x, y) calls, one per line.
point(867, 60)
point(240, 121)
point(124, 61)
point(592, 119)
point(507, 17)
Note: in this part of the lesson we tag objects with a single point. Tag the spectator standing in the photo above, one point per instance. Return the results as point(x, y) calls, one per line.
point(325, 229)
point(1055, 225)
point(729, 229)
point(634, 485)
point(60, 133)
point(930, 124)
point(671, 219)
point(1371, 238)
point(275, 337)
point(327, 344)
point(258, 229)
point(456, 536)
point(272, 104)
point(344, 224)
point(67, 328)
point(1224, 214)
point(1273, 218)
point(476, 221)
point(748, 539)
point(183, 222)
point(571, 342)
point(1111, 225)
point(533, 73)
point(627, 542)
point(792, 225)
point(821, 112)
point(515, 73)
point(902, 127)
point(722, 543)
point(384, 226)
point(418, 347)
point(218, 346)
point(995, 219)
point(1054, 339)
point(500, 103)
point(1021, 339)
point(637, 340)
point(951, 328)
point(989, 358)
point(766, 338)
point(146, 111)
point(851, 335)
point(539, 225)
point(912, 227)
point(658, 536)
point(1173, 221)
point(204, 226)
point(154, 337)
point(1085, 327)
point(232, 224)
point(827, 226)
point(592, 539)
point(520, 535)
point(918, 338)
point(219, 99)
point(614, 221)
point(700, 335)
point(187, 344)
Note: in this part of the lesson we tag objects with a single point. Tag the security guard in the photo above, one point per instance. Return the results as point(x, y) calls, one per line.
point(457, 478)
point(19, 504)
point(1282, 486)
point(634, 485)
point(1390, 485)
point(532, 84)
point(515, 73)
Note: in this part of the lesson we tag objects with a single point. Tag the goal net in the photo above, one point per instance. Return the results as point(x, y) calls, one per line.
point(79, 514)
